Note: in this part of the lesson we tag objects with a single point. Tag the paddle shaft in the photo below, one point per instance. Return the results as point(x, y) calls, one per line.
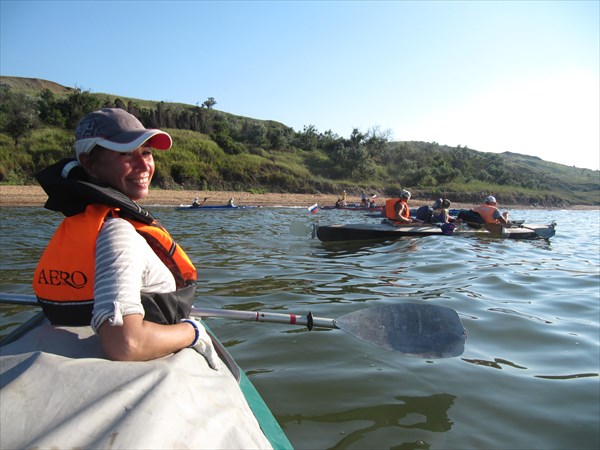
point(253, 316)
point(260, 316)
point(18, 299)
point(422, 330)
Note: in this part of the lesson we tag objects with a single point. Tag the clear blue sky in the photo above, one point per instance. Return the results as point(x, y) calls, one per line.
point(494, 76)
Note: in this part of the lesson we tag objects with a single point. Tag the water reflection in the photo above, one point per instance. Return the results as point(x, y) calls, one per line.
point(496, 363)
point(516, 313)
point(567, 377)
point(429, 413)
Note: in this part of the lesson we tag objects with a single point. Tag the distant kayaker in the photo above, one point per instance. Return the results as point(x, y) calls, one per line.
point(441, 214)
point(230, 203)
point(196, 203)
point(425, 213)
point(397, 210)
point(489, 212)
point(364, 201)
point(110, 264)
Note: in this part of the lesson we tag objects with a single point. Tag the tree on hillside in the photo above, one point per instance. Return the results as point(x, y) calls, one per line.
point(352, 156)
point(280, 137)
point(49, 110)
point(78, 104)
point(308, 138)
point(18, 114)
point(376, 142)
point(209, 103)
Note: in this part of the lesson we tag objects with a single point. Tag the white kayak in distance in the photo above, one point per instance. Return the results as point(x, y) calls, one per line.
point(385, 231)
point(59, 391)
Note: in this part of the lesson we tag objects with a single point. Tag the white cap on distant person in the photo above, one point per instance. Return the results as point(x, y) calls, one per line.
point(405, 194)
point(490, 199)
point(117, 130)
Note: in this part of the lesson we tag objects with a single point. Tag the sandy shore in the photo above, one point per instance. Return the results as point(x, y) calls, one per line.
point(35, 196)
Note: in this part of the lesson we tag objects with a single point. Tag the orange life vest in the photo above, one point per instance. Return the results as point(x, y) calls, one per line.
point(486, 212)
point(390, 208)
point(64, 278)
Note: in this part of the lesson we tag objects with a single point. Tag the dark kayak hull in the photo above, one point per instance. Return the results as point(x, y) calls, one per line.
point(369, 231)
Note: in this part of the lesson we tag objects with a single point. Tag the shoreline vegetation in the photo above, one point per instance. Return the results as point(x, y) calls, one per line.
point(216, 152)
point(35, 196)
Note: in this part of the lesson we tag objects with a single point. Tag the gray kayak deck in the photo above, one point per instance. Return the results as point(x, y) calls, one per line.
point(63, 393)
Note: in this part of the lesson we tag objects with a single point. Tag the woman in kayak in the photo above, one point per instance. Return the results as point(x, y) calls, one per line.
point(110, 264)
point(441, 214)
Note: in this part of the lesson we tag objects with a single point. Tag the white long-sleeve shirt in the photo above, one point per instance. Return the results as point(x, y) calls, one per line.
point(125, 267)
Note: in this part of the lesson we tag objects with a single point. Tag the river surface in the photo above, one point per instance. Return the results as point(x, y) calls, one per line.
point(528, 378)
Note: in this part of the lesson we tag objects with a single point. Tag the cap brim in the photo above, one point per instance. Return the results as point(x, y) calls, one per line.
point(127, 142)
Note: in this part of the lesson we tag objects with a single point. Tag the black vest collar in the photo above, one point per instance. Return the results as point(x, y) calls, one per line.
point(70, 192)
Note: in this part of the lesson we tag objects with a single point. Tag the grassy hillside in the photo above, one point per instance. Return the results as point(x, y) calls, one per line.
point(216, 150)
point(34, 86)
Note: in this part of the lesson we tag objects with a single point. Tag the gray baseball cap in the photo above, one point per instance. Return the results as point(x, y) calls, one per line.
point(117, 130)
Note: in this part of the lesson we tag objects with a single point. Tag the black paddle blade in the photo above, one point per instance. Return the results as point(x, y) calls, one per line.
point(416, 329)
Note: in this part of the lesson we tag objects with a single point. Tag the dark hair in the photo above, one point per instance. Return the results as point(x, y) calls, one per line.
point(94, 152)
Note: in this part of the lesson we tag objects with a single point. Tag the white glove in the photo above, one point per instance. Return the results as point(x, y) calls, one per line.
point(204, 344)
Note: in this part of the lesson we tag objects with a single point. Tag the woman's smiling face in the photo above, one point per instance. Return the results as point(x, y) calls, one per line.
point(129, 173)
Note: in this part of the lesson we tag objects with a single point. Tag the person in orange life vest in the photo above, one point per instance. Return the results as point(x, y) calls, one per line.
point(114, 154)
point(397, 209)
point(489, 213)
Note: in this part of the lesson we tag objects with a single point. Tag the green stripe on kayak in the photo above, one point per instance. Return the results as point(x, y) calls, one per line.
point(263, 414)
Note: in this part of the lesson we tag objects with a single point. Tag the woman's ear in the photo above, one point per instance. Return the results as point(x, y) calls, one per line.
point(85, 161)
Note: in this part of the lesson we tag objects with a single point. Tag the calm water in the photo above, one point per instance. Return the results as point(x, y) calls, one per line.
point(528, 378)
